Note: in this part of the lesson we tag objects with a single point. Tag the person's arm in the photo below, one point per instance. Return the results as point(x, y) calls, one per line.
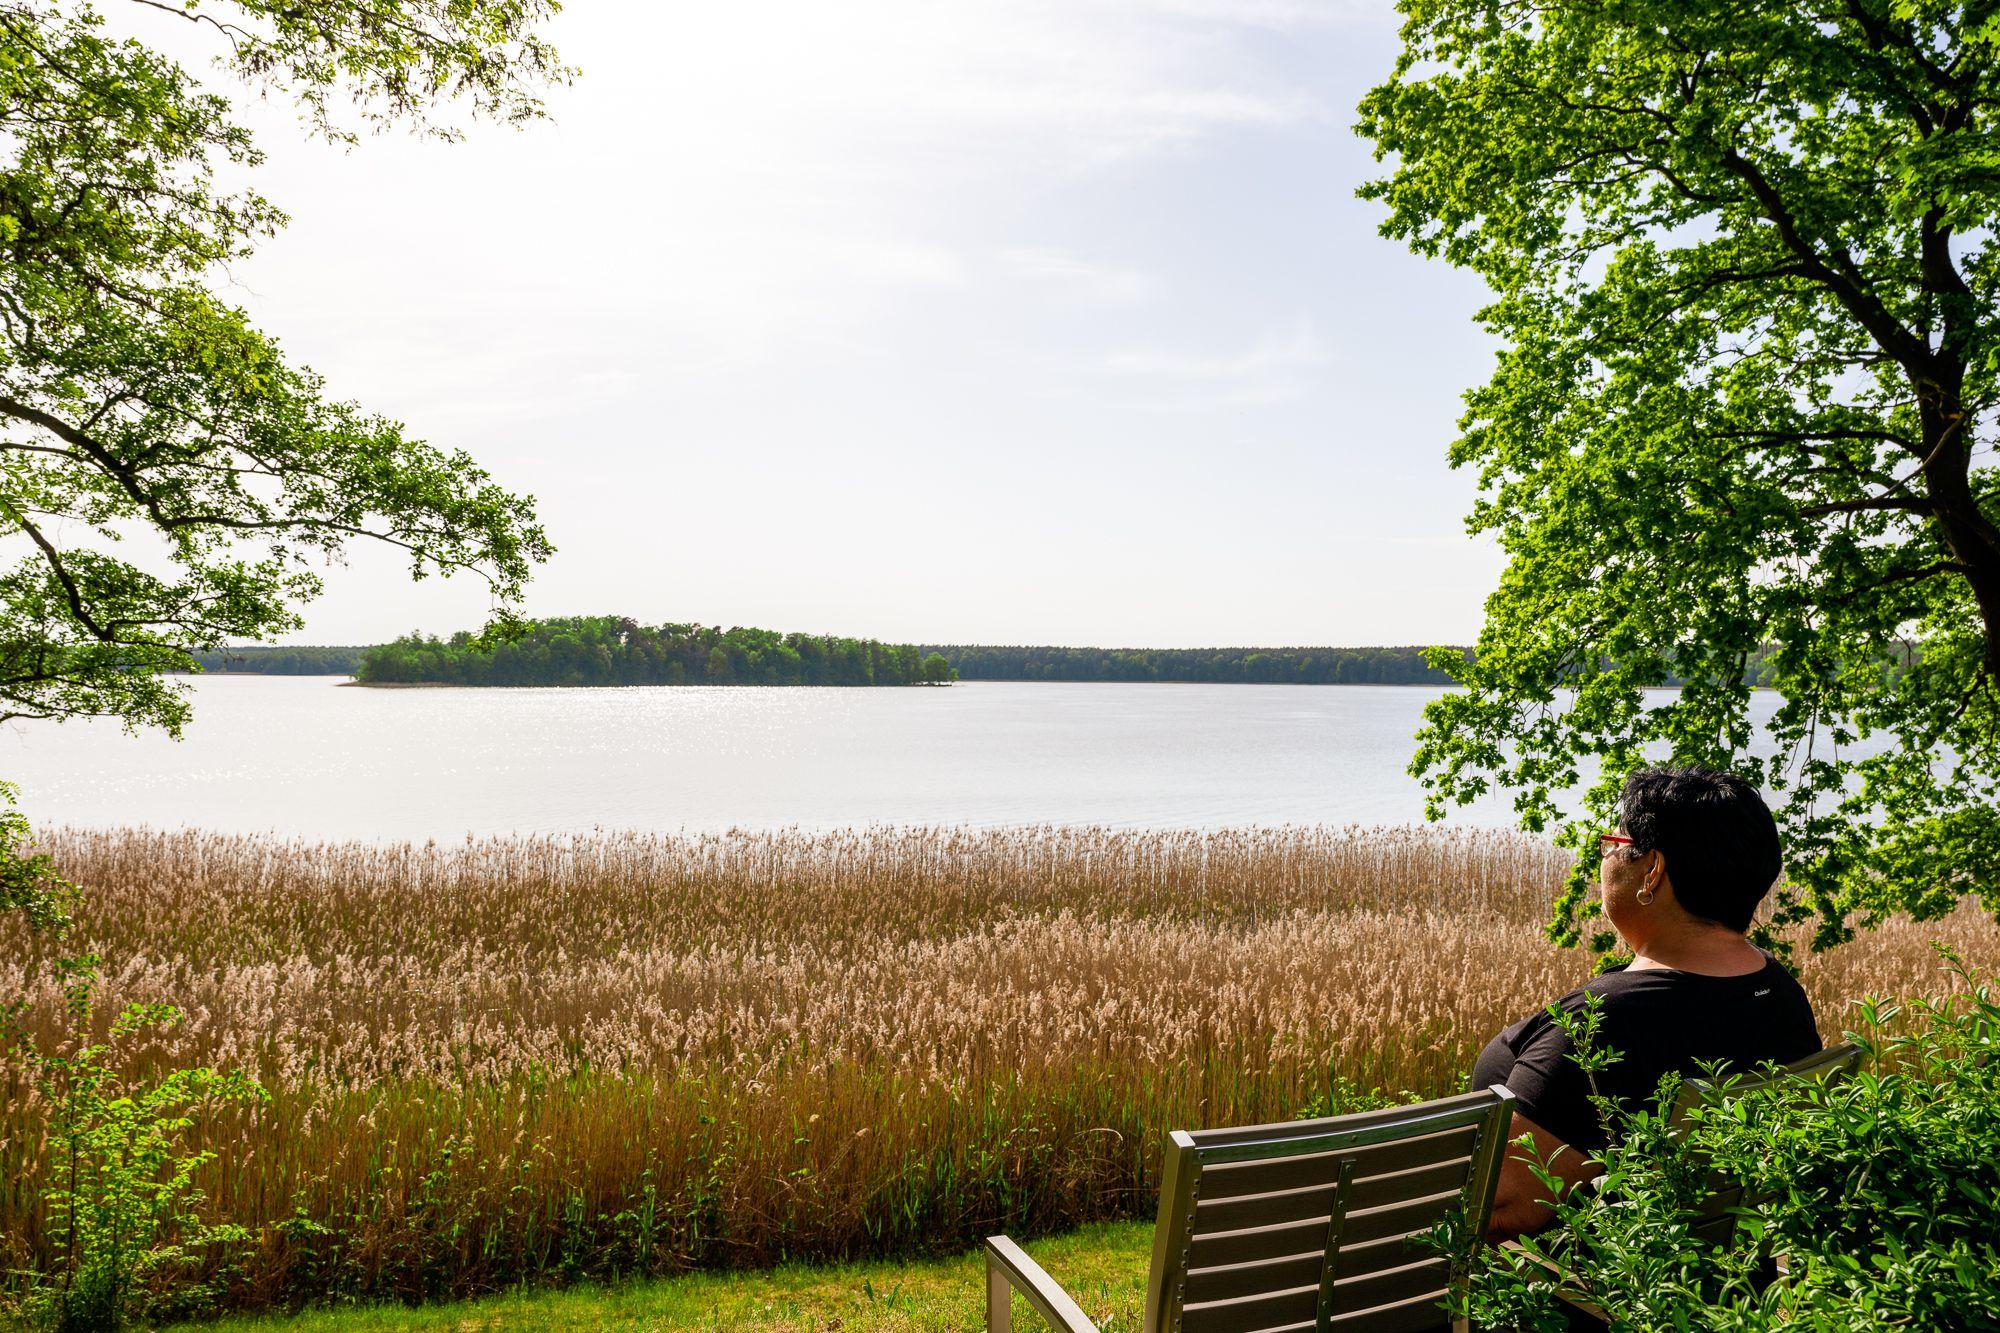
point(1521, 1204)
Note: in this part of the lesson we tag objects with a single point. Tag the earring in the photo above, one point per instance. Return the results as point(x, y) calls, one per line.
point(1645, 897)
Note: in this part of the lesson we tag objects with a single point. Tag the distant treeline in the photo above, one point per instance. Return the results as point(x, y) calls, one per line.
point(282, 661)
point(609, 650)
point(616, 650)
point(613, 650)
point(1238, 666)
point(1227, 666)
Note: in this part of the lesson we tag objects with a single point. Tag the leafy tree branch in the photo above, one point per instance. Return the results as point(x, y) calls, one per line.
point(1743, 280)
point(134, 401)
point(132, 398)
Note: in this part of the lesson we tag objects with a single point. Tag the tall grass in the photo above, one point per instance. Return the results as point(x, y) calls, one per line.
point(634, 1053)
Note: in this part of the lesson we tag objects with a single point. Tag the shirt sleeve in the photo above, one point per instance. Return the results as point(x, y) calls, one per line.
point(1550, 1090)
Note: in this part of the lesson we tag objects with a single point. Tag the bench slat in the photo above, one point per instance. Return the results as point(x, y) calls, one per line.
point(1409, 1317)
point(1415, 1183)
point(1465, 1109)
point(1393, 1286)
point(1259, 1210)
point(1225, 1180)
point(1398, 1219)
point(1305, 1236)
point(1251, 1314)
point(1231, 1281)
point(1365, 1257)
point(1421, 1314)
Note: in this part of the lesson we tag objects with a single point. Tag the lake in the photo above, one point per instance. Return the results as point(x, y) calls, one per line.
point(310, 757)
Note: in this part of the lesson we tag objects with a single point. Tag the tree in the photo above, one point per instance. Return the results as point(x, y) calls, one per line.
point(1743, 273)
point(134, 399)
point(135, 402)
point(937, 671)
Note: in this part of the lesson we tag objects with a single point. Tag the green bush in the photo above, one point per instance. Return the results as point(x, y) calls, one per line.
point(1881, 1197)
point(123, 1212)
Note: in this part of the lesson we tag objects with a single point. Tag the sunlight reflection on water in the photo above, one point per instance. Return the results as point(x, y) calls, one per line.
point(304, 756)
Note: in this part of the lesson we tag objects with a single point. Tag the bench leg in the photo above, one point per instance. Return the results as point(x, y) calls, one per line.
point(999, 1299)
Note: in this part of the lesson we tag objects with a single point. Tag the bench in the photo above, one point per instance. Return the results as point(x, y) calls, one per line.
point(1310, 1226)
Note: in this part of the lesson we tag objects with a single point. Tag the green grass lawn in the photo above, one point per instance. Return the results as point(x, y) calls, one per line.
point(1103, 1267)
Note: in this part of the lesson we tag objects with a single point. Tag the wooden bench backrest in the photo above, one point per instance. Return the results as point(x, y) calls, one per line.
point(1716, 1224)
point(1306, 1226)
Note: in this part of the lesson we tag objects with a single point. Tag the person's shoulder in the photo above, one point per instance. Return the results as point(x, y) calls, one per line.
point(1617, 992)
point(1615, 985)
point(1609, 992)
point(1625, 983)
point(1778, 979)
point(1777, 974)
point(1626, 996)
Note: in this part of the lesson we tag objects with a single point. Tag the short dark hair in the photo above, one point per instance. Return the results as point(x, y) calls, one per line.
point(1718, 836)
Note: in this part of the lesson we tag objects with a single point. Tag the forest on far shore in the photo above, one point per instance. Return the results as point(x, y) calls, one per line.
point(1220, 666)
point(616, 650)
point(280, 660)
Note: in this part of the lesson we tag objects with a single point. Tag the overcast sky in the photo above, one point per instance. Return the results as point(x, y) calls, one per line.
point(939, 321)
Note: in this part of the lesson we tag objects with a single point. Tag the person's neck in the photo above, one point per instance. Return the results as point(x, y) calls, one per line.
point(1700, 947)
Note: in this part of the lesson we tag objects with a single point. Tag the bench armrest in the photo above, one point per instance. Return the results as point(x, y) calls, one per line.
point(1009, 1269)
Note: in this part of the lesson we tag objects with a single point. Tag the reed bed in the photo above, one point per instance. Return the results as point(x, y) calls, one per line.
point(621, 1053)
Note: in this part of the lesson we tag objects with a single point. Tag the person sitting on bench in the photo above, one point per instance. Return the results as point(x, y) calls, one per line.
point(1694, 854)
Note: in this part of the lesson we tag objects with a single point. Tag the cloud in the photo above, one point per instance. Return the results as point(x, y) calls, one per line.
point(914, 91)
point(1106, 283)
point(902, 263)
point(1271, 370)
point(735, 187)
point(1278, 13)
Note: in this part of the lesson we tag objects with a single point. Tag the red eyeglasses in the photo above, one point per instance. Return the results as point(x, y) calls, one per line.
point(1605, 841)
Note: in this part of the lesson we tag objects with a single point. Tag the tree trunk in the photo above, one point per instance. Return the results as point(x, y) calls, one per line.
point(1970, 536)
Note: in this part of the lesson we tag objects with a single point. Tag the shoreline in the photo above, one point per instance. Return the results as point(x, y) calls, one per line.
point(710, 685)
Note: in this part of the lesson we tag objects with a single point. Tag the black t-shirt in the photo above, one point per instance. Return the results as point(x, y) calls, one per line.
point(1659, 1020)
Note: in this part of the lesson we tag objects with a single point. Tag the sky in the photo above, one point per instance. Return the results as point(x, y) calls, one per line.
point(924, 320)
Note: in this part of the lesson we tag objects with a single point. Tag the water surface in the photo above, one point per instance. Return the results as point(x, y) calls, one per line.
point(311, 757)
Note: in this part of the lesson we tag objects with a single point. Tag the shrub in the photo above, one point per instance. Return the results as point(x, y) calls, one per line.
point(1879, 1197)
point(123, 1212)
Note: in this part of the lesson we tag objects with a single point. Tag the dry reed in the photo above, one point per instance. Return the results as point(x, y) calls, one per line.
point(625, 1053)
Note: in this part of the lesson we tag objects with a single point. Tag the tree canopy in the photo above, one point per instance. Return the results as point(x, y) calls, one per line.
point(616, 650)
point(1743, 271)
point(137, 405)
point(140, 409)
